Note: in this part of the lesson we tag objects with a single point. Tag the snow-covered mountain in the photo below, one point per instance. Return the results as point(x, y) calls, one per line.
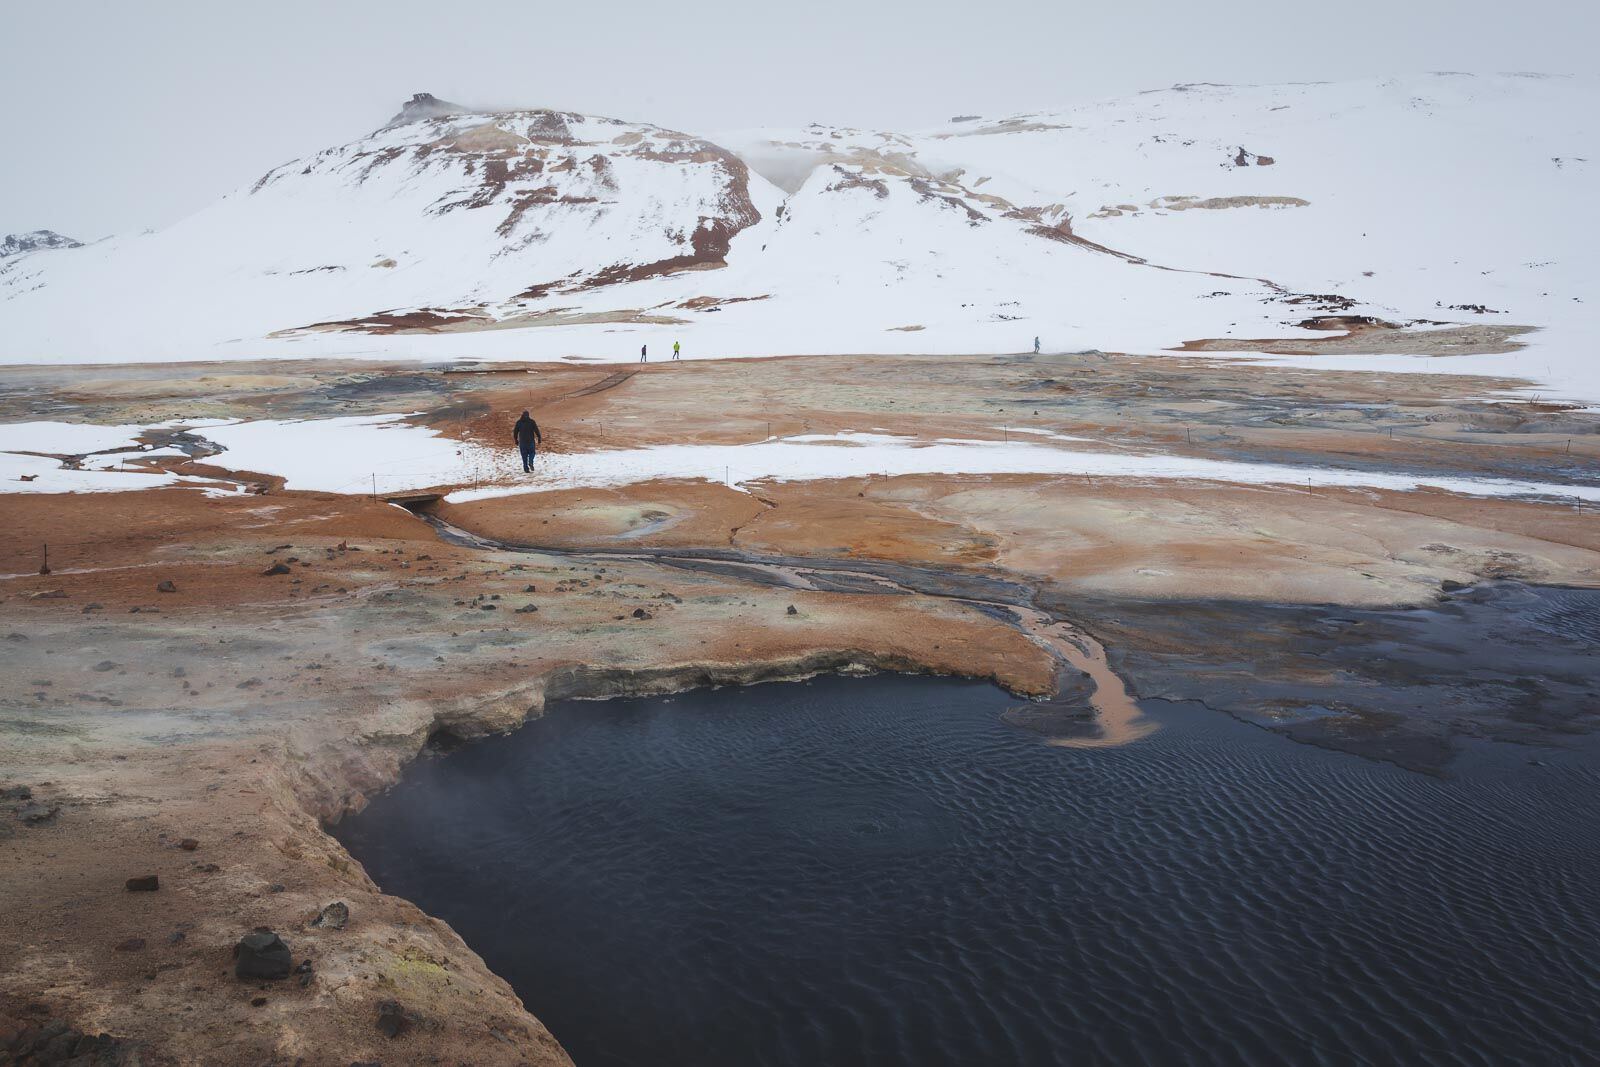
point(33, 241)
point(1194, 212)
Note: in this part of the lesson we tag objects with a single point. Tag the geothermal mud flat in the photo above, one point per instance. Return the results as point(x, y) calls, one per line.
point(221, 661)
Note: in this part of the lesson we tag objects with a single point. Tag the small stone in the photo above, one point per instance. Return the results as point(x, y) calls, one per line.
point(261, 954)
point(334, 916)
point(487, 607)
point(93, 607)
point(529, 589)
point(276, 568)
point(793, 610)
point(640, 613)
point(48, 594)
point(257, 1002)
point(526, 609)
point(132, 944)
point(249, 683)
point(207, 868)
point(147, 883)
point(167, 586)
point(188, 844)
point(106, 665)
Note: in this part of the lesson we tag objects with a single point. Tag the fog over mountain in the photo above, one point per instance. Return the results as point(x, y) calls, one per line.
point(137, 115)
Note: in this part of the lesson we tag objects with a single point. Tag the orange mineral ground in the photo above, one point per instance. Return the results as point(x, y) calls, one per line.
point(204, 679)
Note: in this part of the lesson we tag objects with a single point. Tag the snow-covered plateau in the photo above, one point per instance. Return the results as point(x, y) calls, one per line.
point(1232, 215)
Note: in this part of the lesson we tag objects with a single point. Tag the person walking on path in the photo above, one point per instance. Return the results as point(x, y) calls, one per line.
point(1036, 346)
point(528, 438)
point(674, 350)
point(642, 351)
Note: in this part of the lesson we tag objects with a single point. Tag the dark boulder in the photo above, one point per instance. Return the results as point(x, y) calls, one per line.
point(148, 883)
point(261, 954)
point(393, 1019)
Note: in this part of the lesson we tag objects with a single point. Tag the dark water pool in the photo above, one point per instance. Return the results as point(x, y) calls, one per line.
point(881, 872)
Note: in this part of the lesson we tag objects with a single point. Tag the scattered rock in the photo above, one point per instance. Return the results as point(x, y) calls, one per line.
point(640, 613)
point(188, 844)
point(132, 944)
point(167, 586)
point(793, 610)
point(37, 814)
point(147, 883)
point(1453, 587)
point(261, 954)
point(334, 916)
point(57, 1043)
point(249, 683)
point(305, 973)
point(526, 609)
point(529, 589)
point(48, 594)
point(93, 607)
point(258, 1002)
point(106, 665)
point(276, 568)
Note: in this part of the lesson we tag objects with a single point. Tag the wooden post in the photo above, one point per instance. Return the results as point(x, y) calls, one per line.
point(44, 568)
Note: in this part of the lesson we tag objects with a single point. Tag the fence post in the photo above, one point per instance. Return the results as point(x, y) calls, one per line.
point(44, 568)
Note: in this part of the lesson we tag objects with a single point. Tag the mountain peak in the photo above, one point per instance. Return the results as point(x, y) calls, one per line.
point(424, 106)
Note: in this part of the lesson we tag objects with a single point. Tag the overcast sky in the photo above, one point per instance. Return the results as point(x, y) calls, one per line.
point(126, 115)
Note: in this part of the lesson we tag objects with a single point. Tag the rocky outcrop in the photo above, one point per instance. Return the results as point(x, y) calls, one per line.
point(17, 244)
point(424, 106)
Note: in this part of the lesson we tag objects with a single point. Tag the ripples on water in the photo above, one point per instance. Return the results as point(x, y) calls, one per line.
point(880, 872)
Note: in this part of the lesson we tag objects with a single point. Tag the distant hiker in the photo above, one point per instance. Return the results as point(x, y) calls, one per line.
point(674, 350)
point(1036, 346)
point(528, 438)
point(642, 356)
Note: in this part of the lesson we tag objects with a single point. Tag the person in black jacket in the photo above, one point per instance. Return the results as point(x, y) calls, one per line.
point(528, 438)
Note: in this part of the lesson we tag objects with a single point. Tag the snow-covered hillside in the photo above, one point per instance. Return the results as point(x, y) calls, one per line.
point(1136, 224)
